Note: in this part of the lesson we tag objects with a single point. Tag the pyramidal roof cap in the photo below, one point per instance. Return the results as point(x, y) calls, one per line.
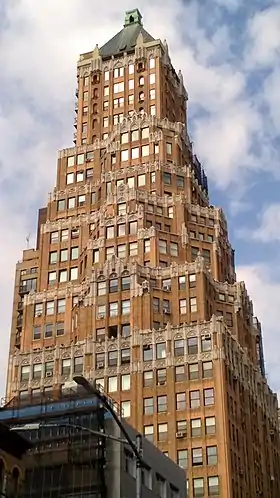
point(126, 39)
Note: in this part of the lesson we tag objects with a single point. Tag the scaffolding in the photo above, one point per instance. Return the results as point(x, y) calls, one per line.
point(67, 459)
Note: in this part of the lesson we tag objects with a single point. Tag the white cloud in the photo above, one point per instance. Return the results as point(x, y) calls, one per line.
point(265, 293)
point(264, 32)
point(269, 226)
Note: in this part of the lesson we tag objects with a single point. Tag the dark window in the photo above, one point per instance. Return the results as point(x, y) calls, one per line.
point(147, 352)
point(112, 358)
point(192, 343)
point(125, 355)
point(125, 330)
point(179, 347)
point(125, 283)
point(48, 330)
point(113, 285)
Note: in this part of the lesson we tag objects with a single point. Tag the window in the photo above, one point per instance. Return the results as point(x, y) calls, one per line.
point(125, 310)
point(125, 382)
point(180, 182)
point(148, 378)
point(183, 306)
point(210, 425)
point(147, 245)
point(70, 161)
point(36, 332)
point(125, 283)
point(180, 373)
point(81, 200)
point(162, 246)
point(50, 308)
point(133, 248)
point(196, 427)
point(162, 432)
point(174, 249)
point(161, 350)
point(160, 486)
point(49, 367)
point(207, 369)
point(121, 230)
point(161, 376)
point(124, 139)
point(152, 94)
point(181, 401)
point(149, 432)
point(119, 87)
point(167, 178)
point(152, 78)
point(162, 404)
point(37, 371)
point(125, 406)
point(182, 458)
point(110, 252)
point(95, 256)
point(101, 288)
point(208, 395)
point(106, 91)
point(193, 305)
point(181, 426)
point(141, 81)
point(73, 273)
point(169, 148)
point(213, 486)
point(121, 209)
point(135, 153)
point(80, 176)
point(121, 251)
point(61, 205)
point(64, 235)
point(63, 255)
point(141, 180)
point(198, 487)
point(60, 305)
point(112, 358)
point(38, 309)
point(101, 311)
point(52, 277)
point(212, 455)
point(125, 356)
point(70, 178)
point(54, 237)
point(147, 352)
point(132, 227)
point(192, 344)
point(194, 399)
point(60, 328)
point(206, 344)
point(89, 173)
point(71, 202)
point(74, 253)
point(113, 309)
point(145, 150)
point(112, 384)
point(66, 367)
point(193, 371)
point(78, 364)
point(152, 63)
point(131, 68)
point(106, 75)
point(25, 372)
point(170, 212)
point(113, 286)
point(48, 330)
point(148, 406)
point(110, 232)
point(179, 347)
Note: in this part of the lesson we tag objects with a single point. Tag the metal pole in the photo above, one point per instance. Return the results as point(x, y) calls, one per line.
point(139, 466)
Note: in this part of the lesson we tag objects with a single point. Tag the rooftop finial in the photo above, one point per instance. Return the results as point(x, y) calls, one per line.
point(132, 17)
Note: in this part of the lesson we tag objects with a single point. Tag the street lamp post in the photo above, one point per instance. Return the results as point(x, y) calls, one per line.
point(136, 447)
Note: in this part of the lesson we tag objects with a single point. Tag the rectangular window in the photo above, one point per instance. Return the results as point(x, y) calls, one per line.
point(148, 406)
point(63, 255)
point(162, 246)
point(135, 153)
point(213, 486)
point(161, 350)
point(70, 178)
point(167, 178)
point(25, 372)
point(148, 378)
point(212, 455)
point(49, 368)
point(174, 251)
point(101, 311)
point(50, 308)
point(119, 87)
point(36, 332)
point(112, 384)
point(133, 249)
point(125, 307)
point(210, 425)
point(73, 273)
point(121, 230)
point(61, 205)
point(145, 150)
point(152, 78)
point(183, 306)
point(207, 369)
point(161, 376)
point(209, 398)
point(110, 232)
point(182, 458)
point(162, 432)
point(179, 347)
point(110, 251)
point(78, 364)
point(206, 344)
point(52, 277)
point(125, 382)
point(147, 245)
point(112, 358)
point(125, 283)
point(193, 371)
point(180, 373)
point(124, 155)
point(113, 285)
point(141, 180)
point(181, 401)
point(61, 305)
point(38, 309)
point(132, 227)
point(121, 209)
point(162, 404)
point(192, 345)
point(70, 161)
point(196, 427)
point(74, 253)
point(149, 432)
point(59, 328)
point(101, 288)
point(71, 202)
point(95, 256)
point(180, 182)
point(54, 237)
point(194, 399)
point(147, 352)
point(193, 305)
point(64, 235)
point(125, 356)
point(197, 457)
point(48, 330)
point(121, 251)
point(66, 367)
point(81, 200)
point(198, 487)
point(113, 309)
point(182, 282)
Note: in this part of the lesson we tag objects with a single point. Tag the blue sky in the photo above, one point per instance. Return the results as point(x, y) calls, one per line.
point(229, 53)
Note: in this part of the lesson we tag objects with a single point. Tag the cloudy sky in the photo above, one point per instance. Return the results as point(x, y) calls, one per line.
point(229, 52)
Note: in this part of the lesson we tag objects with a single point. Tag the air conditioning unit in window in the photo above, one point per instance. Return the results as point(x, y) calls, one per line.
point(49, 373)
point(206, 336)
point(167, 288)
point(180, 434)
point(161, 382)
point(100, 364)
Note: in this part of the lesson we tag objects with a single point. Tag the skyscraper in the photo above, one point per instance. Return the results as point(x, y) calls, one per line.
point(133, 284)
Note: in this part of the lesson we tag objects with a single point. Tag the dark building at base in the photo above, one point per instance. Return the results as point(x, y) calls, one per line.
point(68, 458)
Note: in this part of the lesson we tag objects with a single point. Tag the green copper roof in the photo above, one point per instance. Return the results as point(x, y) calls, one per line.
point(125, 40)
